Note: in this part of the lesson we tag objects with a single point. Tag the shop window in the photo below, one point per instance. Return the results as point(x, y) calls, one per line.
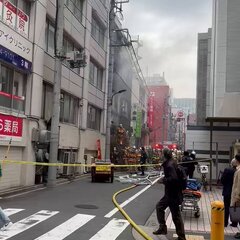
point(76, 7)
point(95, 75)
point(68, 105)
point(12, 89)
point(49, 37)
point(94, 118)
point(98, 31)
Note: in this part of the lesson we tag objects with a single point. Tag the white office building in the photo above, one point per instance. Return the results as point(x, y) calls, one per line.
point(225, 65)
point(26, 82)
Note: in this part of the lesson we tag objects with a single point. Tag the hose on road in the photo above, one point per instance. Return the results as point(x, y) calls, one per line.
point(134, 225)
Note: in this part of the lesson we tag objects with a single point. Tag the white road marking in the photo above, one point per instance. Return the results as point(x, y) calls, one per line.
point(62, 231)
point(26, 223)
point(111, 213)
point(11, 211)
point(112, 230)
point(23, 193)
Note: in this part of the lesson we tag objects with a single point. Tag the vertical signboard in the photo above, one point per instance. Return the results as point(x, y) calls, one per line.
point(9, 14)
point(1, 8)
point(150, 110)
point(138, 124)
point(22, 23)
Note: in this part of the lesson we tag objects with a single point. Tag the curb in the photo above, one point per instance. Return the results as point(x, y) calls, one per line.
point(18, 190)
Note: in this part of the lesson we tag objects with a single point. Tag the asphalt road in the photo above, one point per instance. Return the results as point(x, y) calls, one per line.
point(81, 207)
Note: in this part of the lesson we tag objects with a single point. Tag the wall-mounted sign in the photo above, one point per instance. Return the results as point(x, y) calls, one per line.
point(10, 127)
point(180, 114)
point(22, 23)
point(14, 59)
point(15, 42)
point(150, 110)
point(138, 131)
point(9, 14)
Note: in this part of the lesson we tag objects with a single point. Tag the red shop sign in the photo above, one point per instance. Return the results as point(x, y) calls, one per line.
point(10, 127)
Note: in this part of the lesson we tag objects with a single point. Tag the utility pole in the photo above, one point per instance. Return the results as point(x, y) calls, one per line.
point(58, 40)
point(114, 6)
point(110, 81)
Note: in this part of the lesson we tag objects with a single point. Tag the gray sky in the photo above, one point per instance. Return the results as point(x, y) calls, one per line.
point(168, 30)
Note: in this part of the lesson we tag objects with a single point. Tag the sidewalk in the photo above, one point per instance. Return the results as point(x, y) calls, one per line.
point(196, 228)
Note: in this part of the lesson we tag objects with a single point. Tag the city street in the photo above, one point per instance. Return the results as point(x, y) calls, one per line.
point(77, 210)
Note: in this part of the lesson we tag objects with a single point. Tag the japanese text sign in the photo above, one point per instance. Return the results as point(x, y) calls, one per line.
point(22, 23)
point(14, 59)
point(10, 127)
point(15, 42)
point(150, 110)
point(138, 130)
point(9, 14)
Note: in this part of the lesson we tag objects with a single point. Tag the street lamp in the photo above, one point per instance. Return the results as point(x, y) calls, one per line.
point(120, 91)
point(108, 127)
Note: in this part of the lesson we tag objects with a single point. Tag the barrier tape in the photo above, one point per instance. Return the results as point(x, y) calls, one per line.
point(73, 164)
point(217, 209)
point(85, 165)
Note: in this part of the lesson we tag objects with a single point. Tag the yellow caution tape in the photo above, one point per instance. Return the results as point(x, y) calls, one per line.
point(72, 164)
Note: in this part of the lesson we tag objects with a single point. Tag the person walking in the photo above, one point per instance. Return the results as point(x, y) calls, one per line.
point(235, 197)
point(227, 182)
point(172, 197)
point(5, 222)
point(143, 159)
point(191, 165)
point(187, 165)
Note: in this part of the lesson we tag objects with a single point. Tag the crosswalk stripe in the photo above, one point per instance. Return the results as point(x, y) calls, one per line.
point(112, 230)
point(66, 228)
point(11, 211)
point(26, 223)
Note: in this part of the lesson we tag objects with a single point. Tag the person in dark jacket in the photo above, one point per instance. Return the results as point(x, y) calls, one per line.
point(143, 159)
point(172, 198)
point(227, 182)
point(188, 165)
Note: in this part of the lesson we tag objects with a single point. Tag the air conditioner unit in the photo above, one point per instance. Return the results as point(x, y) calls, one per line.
point(45, 136)
point(35, 135)
point(70, 56)
point(79, 56)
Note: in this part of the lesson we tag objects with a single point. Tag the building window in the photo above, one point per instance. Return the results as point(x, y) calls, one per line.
point(94, 118)
point(47, 99)
point(15, 13)
point(12, 89)
point(76, 7)
point(95, 75)
point(98, 32)
point(69, 46)
point(49, 37)
point(68, 106)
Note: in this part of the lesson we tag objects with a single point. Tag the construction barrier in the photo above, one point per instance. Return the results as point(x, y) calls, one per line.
point(217, 220)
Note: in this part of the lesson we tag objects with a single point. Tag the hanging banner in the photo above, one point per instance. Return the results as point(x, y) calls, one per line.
point(10, 127)
point(1, 9)
point(138, 124)
point(9, 14)
point(150, 111)
point(22, 23)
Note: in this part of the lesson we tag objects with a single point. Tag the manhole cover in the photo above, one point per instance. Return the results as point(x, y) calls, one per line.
point(86, 206)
